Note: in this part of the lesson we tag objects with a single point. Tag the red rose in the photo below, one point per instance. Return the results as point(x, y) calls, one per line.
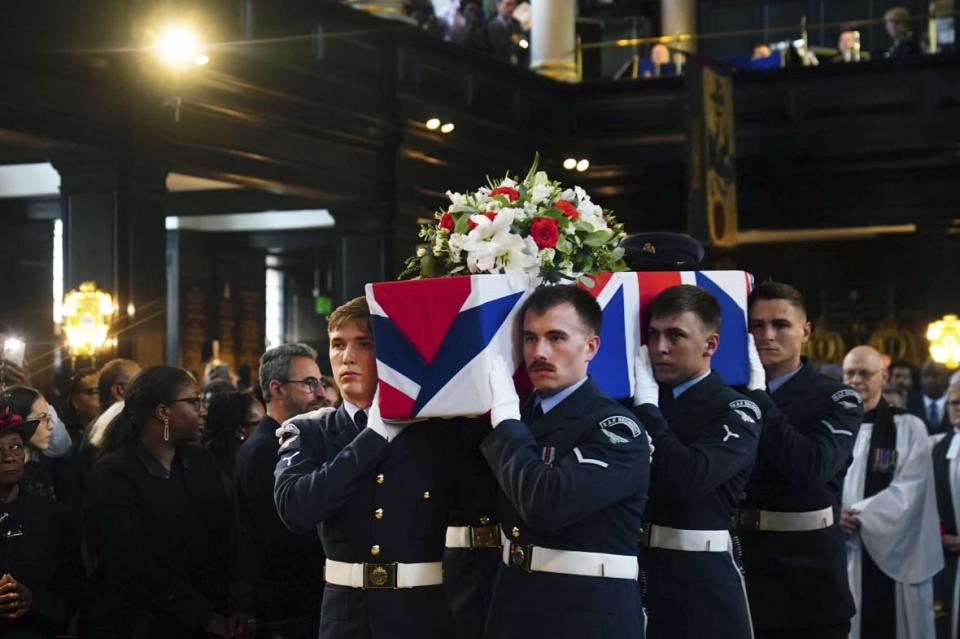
point(545, 231)
point(568, 209)
point(512, 194)
point(446, 222)
point(490, 216)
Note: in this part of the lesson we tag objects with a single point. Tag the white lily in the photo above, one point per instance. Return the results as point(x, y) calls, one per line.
point(508, 182)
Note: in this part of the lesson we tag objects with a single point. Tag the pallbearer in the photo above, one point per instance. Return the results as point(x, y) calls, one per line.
point(705, 438)
point(573, 475)
point(378, 493)
point(794, 554)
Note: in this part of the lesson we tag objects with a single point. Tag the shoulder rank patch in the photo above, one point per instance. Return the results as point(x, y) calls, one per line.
point(848, 398)
point(610, 422)
point(738, 407)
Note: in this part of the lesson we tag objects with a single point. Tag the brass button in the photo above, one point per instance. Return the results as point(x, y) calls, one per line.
point(378, 513)
point(515, 533)
point(426, 494)
point(484, 521)
point(380, 478)
point(375, 550)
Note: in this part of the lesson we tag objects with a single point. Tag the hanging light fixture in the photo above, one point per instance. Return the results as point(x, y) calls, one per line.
point(944, 338)
point(87, 314)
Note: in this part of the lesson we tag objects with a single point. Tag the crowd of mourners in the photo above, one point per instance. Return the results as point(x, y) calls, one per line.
point(153, 504)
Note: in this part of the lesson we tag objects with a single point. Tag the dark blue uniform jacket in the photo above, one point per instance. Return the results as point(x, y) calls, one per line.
point(799, 579)
point(704, 443)
point(576, 479)
point(373, 502)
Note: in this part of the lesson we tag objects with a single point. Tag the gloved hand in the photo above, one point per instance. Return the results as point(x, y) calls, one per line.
point(645, 388)
point(505, 404)
point(387, 429)
point(758, 376)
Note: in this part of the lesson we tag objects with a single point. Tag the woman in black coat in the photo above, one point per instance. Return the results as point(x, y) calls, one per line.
point(40, 568)
point(157, 521)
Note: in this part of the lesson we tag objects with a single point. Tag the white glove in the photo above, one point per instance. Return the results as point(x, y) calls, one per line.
point(505, 404)
point(386, 429)
point(645, 388)
point(758, 376)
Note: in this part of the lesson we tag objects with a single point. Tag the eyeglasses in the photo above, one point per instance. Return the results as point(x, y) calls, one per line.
point(312, 383)
point(855, 372)
point(196, 402)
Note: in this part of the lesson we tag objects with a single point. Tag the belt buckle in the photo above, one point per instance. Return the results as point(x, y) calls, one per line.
point(748, 519)
point(521, 556)
point(380, 576)
point(484, 537)
point(646, 531)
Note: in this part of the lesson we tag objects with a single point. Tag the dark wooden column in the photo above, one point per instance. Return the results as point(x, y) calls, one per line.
point(113, 234)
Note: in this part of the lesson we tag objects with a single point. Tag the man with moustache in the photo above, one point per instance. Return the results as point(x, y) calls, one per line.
point(889, 498)
point(793, 551)
point(705, 440)
point(284, 569)
point(573, 468)
point(378, 493)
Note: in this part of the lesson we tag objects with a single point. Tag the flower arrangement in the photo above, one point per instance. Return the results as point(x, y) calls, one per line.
point(535, 231)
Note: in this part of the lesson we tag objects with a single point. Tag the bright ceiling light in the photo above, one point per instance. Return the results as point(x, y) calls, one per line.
point(433, 124)
point(583, 165)
point(201, 60)
point(524, 44)
point(178, 46)
point(570, 164)
point(447, 128)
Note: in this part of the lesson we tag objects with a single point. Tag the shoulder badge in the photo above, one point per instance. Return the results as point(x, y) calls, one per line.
point(741, 406)
point(610, 422)
point(848, 398)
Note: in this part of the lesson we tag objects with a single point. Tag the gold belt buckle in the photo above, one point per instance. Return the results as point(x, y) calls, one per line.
point(645, 532)
point(484, 536)
point(380, 576)
point(521, 556)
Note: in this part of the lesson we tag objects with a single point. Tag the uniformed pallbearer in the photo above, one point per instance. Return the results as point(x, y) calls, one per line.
point(573, 479)
point(705, 441)
point(378, 495)
point(793, 550)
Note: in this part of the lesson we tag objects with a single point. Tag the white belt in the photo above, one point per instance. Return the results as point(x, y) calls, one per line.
point(473, 536)
point(569, 562)
point(393, 575)
point(785, 522)
point(686, 540)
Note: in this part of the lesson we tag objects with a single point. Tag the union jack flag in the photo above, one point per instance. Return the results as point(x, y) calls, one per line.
point(436, 338)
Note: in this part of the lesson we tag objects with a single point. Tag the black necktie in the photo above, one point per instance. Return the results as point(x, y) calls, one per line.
point(360, 419)
point(536, 413)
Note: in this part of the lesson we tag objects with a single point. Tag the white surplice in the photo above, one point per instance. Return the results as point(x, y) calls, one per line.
point(899, 527)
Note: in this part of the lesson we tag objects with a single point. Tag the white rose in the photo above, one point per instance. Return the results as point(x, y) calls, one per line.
point(541, 192)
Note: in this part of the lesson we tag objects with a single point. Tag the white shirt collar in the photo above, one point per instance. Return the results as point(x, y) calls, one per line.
point(352, 409)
